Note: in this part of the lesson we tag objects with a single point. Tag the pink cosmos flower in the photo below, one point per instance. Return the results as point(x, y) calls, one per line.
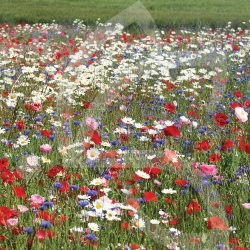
point(246, 205)
point(241, 114)
point(45, 148)
point(185, 120)
point(22, 208)
point(208, 169)
point(36, 198)
point(91, 123)
point(36, 106)
point(12, 222)
point(157, 183)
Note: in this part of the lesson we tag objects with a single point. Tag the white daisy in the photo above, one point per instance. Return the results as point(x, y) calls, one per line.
point(142, 174)
point(92, 154)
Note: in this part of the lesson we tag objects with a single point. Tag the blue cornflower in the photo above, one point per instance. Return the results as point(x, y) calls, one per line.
point(29, 230)
point(92, 193)
point(91, 237)
point(48, 204)
point(42, 207)
point(141, 200)
point(205, 182)
point(184, 191)
point(74, 187)
point(45, 224)
point(57, 185)
point(83, 203)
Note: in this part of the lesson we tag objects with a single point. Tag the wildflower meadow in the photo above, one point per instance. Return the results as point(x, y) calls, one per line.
point(120, 140)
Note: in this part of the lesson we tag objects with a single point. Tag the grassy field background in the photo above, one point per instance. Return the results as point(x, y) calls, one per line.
point(166, 13)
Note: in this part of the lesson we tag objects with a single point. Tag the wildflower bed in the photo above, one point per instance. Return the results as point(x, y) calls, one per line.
point(111, 140)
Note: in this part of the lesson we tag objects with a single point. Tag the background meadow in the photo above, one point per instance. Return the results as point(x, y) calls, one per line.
point(167, 14)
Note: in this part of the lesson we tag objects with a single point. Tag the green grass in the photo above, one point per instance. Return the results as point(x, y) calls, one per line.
point(166, 13)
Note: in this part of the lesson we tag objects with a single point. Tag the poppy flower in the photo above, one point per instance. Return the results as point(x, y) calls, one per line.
point(124, 138)
point(181, 182)
point(19, 192)
point(193, 207)
point(233, 241)
point(46, 133)
point(45, 216)
point(220, 119)
point(170, 108)
point(168, 200)
point(85, 105)
point(20, 125)
point(52, 172)
point(216, 222)
point(229, 209)
point(152, 170)
point(172, 131)
point(226, 145)
point(150, 196)
point(214, 158)
point(235, 105)
point(96, 138)
point(3, 163)
point(238, 94)
point(204, 145)
point(133, 203)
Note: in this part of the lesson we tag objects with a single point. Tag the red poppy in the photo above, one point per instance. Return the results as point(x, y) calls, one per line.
point(5, 214)
point(246, 147)
point(19, 192)
point(193, 113)
point(193, 207)
point(150, 196)
point(65, 186)
point(181, 182)
point(170, 108)
point(124, 138)
point(173, 221)
point(111, 154)
point(216, 222)
point(172, 131)
point(85, 105)
point(3, 163)
point(124, 225)
point(229, 209)
point(220, 119)
point(168, 200)
point(235, 105)
point(226, 145)
point(233, 241)
point(45, 216)
point(135, 246)
point(169, 85)
point(215, 204)
point(132, 202)
point(96, 138)
point(44, 234)
point(214, 158)
point(46, 133)
point(52, 172)
point(7, 176)
point(20, 125)
point(152, 170)
point(204, 145)
point(238, 94)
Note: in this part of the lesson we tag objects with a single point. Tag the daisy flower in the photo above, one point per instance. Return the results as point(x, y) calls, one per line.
point(168, 191)
point(142, 174)
point(93, 226)
point(92, 154)
point(97, 182)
